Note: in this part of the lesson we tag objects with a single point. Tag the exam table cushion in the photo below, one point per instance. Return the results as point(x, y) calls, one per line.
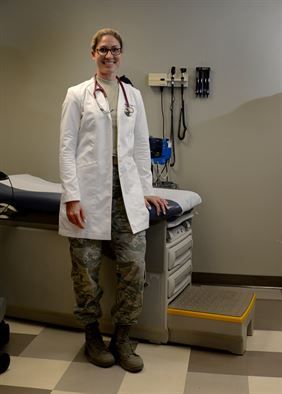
point(32, 195)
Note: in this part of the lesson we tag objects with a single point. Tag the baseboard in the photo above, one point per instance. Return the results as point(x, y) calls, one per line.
point(236, 280)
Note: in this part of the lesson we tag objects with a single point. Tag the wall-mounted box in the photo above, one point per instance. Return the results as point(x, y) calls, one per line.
point(163, 79)
point(157, 79)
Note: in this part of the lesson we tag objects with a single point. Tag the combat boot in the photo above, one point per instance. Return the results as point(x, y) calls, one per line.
point(121, 349)
point(95, 348)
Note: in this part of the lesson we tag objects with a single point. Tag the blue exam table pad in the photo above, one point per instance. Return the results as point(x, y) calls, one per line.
point(34, 197)
point(29, 201)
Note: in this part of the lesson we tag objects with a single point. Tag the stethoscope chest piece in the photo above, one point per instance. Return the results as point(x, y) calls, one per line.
point(128, 110)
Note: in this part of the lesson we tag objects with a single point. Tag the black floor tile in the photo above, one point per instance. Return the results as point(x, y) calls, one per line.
point(268, 315)
point(18, 343)
point(250, 364)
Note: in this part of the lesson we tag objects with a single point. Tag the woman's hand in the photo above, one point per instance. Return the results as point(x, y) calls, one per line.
point(75, 213)
point(160, 204)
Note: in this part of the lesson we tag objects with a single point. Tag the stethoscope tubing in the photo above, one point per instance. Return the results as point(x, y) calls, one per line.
point(181, 135)
point(129, 109)
point(172, 100)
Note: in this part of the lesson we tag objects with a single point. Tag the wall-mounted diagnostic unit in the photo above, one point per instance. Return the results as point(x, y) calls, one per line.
point(202, 88)
point(166, 80)
point(176, 78)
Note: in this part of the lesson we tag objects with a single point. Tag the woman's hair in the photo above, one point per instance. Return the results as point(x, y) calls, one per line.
point(105, 32)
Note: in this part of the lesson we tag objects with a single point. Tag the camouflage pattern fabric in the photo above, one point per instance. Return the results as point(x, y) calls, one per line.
point(129, 250)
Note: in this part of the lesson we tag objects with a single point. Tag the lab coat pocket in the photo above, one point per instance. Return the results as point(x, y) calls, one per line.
point(86, 178)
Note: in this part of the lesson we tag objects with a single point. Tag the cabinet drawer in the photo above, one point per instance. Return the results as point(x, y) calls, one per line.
point(179, 280)
point(179, 252)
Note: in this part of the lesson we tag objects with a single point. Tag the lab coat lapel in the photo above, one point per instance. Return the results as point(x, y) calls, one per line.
point(125, 123)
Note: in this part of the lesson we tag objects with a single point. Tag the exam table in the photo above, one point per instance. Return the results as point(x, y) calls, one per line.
point(35, 272)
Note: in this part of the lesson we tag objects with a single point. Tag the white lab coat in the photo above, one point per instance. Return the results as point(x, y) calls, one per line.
point(86, 160)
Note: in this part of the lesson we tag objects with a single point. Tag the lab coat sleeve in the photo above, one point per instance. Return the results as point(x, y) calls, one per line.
point(70, 123)
point(142, 154)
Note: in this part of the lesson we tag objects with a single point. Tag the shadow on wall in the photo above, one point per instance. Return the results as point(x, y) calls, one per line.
point(27, 122)
point(236, 166)
point(242, 148)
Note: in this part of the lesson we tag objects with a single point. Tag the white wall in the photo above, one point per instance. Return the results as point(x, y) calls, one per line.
point(233, 155)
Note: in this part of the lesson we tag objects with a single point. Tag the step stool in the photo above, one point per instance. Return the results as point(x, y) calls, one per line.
point(212, 316)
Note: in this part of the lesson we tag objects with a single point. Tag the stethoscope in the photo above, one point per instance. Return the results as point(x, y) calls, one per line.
point(128, 110)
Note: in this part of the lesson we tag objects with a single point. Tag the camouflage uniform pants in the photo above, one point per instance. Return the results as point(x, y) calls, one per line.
point(129, 250)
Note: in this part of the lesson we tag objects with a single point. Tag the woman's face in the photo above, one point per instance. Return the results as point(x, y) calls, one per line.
point(107, 64)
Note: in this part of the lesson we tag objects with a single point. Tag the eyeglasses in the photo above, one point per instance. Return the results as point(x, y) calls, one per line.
point(115, 51)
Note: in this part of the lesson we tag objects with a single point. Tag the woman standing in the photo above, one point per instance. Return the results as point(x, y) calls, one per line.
point(107, 188)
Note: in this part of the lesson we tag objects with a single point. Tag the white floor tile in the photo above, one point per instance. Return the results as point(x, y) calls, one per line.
point(17, 327)
point(35, 373)
point(88, 378)
point(265, 341)
point(65, 392)
point(264, 385)
point(164, 372)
